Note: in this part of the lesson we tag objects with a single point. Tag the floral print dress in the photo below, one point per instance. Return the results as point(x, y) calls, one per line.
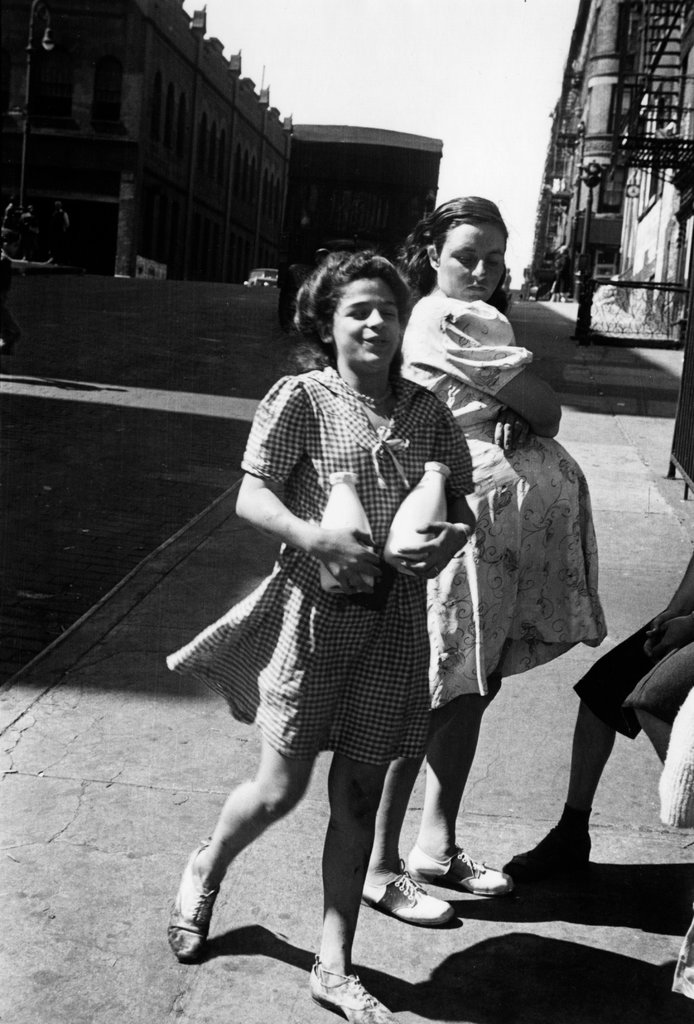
point(526, 589)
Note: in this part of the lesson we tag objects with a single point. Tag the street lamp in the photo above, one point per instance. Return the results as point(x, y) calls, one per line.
point(591, 176)
point(38, 7)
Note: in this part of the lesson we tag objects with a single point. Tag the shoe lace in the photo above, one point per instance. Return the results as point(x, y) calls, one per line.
point(408, 887)
point(474, 867)
point(370, 1002)
point(203, 907)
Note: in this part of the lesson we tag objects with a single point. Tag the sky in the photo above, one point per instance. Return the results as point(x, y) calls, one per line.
point(481, 75)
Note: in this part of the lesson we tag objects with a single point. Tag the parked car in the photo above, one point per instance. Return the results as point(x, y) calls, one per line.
point(262, 277)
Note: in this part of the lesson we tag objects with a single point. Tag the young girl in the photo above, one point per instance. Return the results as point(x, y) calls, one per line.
point(345, 672)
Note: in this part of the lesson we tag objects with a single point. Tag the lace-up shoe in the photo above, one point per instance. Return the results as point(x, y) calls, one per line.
point(346, 995)
point(190, 918)
point(458, 872)
point(405, 899)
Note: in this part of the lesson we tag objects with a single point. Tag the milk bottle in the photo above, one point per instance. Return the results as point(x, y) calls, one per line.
point(426, 503)
point(343, 510)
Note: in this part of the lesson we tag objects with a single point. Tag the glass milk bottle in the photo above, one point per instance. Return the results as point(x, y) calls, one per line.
point(426, 503)
point(343, 511)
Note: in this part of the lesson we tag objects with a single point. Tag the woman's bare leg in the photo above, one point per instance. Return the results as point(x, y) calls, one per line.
point(451, 750)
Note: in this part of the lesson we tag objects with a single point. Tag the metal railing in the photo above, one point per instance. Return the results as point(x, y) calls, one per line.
point(635, 312)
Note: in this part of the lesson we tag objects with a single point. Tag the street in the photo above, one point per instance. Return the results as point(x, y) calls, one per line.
point(126, 409)
point(108, 447)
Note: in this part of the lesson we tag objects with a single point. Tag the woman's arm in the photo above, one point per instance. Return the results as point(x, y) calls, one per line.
point(345, 553)
point(528, 395)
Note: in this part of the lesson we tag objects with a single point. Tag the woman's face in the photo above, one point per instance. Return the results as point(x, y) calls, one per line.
point(366, 328)
point(471, 262)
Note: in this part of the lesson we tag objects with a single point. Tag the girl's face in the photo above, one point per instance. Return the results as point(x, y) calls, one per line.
point(471, 262)
point(366, 329)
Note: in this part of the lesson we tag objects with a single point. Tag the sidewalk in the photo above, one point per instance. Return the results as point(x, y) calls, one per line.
point(114, 767)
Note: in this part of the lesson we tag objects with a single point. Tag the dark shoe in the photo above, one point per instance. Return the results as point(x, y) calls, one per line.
point(345, 994)
point(190, 918)
point(554, 855)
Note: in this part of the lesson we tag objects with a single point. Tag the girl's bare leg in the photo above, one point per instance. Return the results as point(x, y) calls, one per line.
point(354, 790)
point(250, 809)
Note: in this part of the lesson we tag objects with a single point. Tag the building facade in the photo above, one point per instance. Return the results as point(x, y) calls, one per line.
point(618, 177)
point(365, 186)
point(167, 160)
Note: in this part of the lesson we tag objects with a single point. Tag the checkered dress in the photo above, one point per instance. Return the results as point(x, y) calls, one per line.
point(315, 670)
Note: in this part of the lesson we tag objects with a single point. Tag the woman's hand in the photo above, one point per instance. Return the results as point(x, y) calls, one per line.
point(440, 542)
point(667, 633)
point(348, 555)
point(511, 430)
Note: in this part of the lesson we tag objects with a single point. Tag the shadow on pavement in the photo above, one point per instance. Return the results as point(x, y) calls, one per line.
point(505, 980)
point(654, 898)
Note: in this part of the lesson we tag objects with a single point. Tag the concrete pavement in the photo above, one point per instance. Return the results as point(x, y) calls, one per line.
point(114, 767)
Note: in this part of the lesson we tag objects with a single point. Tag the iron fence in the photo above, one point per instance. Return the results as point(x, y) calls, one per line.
point(632, 312)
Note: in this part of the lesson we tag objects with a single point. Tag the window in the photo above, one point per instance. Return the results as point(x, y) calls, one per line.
point(244, 178)
point(51, 83)
point(181, 126)
point(202, 143)
point(108, 82)
point(212, 153)
point(237, 171)
point(5, 68)
point(221, 158)
point(155, 118)
point(169, 116)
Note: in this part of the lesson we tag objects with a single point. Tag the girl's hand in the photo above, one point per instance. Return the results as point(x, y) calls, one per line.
point(348, 555)
point(667, 634)
point(511, 430)
point(444, 540)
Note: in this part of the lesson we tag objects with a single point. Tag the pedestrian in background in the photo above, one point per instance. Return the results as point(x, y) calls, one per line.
point(525, 591)
point(561, 284)
point(318, 671)
point(9, 332)
point(58, 233)
point(29, 232)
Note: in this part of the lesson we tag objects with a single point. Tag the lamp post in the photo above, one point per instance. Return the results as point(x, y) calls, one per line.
point(38, 7)
point(591, 176)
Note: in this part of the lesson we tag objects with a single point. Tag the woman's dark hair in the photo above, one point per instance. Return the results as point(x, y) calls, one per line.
point(320, 293)
point(433, 230)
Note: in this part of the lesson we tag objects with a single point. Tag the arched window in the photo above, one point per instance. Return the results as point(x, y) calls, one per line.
point(237, 171)
point(244, 178)
point(222, 156)
point(264, 199)
point(155, 118)
point(212, 151)
point(181, 126)
point(253, 190)
point(169, 116)
point(202, 143)
point(108, 84)
point(5, 92)
point(51, 84)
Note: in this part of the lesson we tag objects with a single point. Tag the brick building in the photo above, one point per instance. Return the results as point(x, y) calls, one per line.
point(165, 157)
point(626, 107)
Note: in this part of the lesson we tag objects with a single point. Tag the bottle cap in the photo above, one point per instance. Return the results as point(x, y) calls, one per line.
point(437, 467)
point(342, 477)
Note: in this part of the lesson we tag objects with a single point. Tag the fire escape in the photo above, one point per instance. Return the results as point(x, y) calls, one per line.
point(656, 132)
